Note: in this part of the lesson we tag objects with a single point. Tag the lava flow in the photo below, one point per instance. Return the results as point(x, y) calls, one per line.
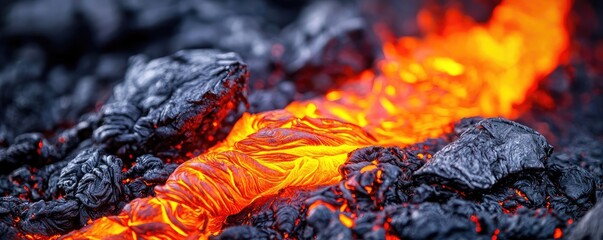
point(463, 70)
point(424, 85)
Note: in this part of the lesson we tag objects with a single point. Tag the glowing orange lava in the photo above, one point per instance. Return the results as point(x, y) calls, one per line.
point(424, 85)
point(464, 70)
point(263, 154)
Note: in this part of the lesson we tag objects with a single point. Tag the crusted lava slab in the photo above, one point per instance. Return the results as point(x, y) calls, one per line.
point(488, 152)
point(174, 102)
point(171, 107)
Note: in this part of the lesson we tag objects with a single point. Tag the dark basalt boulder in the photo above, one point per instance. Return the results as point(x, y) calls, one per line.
point(489, 151)
point(174, 102)
point(93, 177)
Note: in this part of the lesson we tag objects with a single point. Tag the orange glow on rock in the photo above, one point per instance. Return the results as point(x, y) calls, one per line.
point(495, 235)
point(346, 221)
point(558, 233)
point(478, 226)
point(424, 85)
point(521, 194)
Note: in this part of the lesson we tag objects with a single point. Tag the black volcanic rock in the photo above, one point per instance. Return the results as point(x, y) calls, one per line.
point(274, 98)
point(92, 177)
point(148, 172)
point(176, 101)
point(488, 152)
point(50, 217)
point(575, 182)
point(165, 110)
point(328, 43)
point(32, 18)
point(589, 228)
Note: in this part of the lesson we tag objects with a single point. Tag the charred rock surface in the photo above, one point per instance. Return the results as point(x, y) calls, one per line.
point(174, 102)
point(169, 108)
point(272, 98)
point(36, 150)
point(39, 218)
point(488, 152)
point(590, 225)
point(328, 43)
point(382, 194)
point(93, 178)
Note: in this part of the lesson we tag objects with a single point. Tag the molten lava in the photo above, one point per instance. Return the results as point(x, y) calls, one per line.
point(423, 86)
point(263, 154)
point(463, 70)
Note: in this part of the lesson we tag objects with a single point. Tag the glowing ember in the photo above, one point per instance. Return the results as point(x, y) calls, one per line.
point(425, 85)
point(478, 227)
point(558, 233)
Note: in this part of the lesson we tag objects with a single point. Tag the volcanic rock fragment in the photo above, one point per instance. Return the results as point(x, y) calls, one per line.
point(94, 178)
point(590, 225)
point(575, 182)
point(329, 42)
point(269, 99)
point(32, 149)
point(42, 218)
point(179, 101)
point(488, 152)
point(28, 148)
point(148, 172)
point(50, 217)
